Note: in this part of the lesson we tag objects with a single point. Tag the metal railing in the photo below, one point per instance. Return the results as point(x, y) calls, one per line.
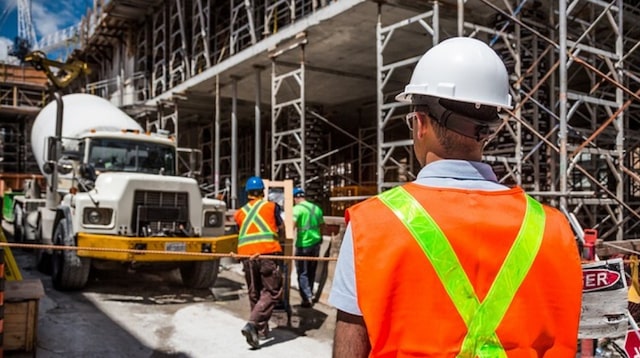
point(122, 92)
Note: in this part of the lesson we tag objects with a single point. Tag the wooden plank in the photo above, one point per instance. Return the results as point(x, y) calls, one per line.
point(21, 300)
point(32, 323)
point(15, 325)
point(612, 248)
point(22, 74)
point(27, 289)
point(20, 325)
point(15, 181)
point(336, 242)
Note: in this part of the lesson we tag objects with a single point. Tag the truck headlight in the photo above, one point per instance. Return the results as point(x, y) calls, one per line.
point(212, 219)
point(96, 216)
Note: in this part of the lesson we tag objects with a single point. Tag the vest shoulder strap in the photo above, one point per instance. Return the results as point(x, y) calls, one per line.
point(253, 217)
point(481, 318)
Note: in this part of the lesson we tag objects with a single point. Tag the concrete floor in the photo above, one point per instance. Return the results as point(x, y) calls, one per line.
point(149, 314)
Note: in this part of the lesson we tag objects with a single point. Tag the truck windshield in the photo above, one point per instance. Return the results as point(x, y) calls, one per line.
point(107, 154)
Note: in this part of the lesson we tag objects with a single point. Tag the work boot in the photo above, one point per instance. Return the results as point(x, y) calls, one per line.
point(250, 332)
point(263, 336)
point(308, 302)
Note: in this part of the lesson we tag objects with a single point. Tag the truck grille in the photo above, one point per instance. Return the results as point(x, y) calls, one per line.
point(160, 212)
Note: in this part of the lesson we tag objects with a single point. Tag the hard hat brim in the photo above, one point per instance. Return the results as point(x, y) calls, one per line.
point(414, 98)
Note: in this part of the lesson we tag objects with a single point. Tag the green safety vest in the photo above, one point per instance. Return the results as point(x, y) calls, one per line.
point(309, 217)
point(481, 318)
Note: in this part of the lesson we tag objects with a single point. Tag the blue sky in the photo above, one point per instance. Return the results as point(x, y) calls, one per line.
point(48, 16)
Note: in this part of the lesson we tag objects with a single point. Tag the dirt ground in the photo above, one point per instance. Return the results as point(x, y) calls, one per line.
point(138, 313)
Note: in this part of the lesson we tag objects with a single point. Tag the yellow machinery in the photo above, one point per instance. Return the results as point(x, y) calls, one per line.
point(66, 73)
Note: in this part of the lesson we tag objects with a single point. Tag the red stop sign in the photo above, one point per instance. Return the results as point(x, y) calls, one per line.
point(632, 344)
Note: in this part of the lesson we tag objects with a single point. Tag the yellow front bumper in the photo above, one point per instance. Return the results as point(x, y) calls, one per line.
point(188, 248)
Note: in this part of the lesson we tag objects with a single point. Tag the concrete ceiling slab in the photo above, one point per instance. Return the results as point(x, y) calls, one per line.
point(339, 54)
point(340, 60)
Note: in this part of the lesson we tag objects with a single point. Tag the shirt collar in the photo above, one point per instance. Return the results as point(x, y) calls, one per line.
point(458, 169)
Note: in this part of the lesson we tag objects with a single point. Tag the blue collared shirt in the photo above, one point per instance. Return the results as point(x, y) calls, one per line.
point(457, 174)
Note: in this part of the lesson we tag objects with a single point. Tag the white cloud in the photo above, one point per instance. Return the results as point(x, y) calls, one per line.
point(44, 21)
point(4, 48)
point(47, 17)
point(8, 5)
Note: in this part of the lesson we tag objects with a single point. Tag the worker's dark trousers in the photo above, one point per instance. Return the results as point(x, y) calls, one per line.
point(306, 270)
point(264, 281)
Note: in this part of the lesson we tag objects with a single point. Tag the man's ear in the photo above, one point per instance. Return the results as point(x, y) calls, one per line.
point(422, 125)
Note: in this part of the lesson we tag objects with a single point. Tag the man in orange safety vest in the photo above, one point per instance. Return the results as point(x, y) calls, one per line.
point(456, 264)
point(261, 230)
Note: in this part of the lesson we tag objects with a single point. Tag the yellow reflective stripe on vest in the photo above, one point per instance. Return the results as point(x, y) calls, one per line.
point(481, 319)
point(252, 217)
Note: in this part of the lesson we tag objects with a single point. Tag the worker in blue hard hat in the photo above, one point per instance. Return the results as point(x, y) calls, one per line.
point(260, 231)
point(309, 221)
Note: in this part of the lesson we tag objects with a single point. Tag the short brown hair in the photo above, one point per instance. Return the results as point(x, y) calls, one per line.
point(451, 141)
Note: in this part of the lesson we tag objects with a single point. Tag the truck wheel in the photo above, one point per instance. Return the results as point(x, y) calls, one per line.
point(68, 271)
point(43, 258)
point(199, 274)
point(18, 221)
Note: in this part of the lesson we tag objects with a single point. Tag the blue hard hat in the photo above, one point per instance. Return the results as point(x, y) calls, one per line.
point(298, 192)
point(254, 183)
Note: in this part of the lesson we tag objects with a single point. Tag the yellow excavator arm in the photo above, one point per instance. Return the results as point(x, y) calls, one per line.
point(66, 73)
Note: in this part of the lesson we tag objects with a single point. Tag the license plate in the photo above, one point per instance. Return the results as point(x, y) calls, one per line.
point(175, 246)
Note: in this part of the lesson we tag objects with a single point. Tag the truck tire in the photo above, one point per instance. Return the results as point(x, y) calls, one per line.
point(43, 258)
point(18, 222)
point(68, 271)
point(199, 274)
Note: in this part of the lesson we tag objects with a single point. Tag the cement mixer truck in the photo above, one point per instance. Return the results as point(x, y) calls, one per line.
point(113, 188)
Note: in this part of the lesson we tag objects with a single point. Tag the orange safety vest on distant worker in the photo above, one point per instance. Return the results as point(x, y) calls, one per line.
point(258, 228)
point(409, 312)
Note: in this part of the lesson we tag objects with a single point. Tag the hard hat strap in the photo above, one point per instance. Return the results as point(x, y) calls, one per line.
point(466, 126)
point(479, 130)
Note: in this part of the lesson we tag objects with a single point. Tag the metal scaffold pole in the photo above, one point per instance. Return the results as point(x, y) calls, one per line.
point(620, 123)
point(395, 156)
point(234, 143)
point(562, 108)
point(216, 130)
point(288, 114)
point(258, 129)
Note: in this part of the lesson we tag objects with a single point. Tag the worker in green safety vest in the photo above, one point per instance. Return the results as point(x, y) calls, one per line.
point(309, 221)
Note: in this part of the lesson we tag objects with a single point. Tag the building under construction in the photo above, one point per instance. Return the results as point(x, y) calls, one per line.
point(304, 90)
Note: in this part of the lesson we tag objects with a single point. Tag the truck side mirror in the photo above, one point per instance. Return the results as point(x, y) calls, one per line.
point(65, 166)
point(51, 148)
point(47, 167)
point(87, 171)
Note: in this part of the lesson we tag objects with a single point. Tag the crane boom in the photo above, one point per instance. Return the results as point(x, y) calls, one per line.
point(67, 71)
point(25, 24)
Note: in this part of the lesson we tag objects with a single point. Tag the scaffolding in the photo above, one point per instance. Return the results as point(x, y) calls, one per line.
point(23, 93)
point(288, 117)
point(571, 139)
point(395, 152)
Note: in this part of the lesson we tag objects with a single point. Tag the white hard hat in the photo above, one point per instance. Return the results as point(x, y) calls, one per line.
point(460, 69)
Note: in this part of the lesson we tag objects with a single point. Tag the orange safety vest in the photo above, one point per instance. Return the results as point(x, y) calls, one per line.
point(406, 308)
point(258, 229)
